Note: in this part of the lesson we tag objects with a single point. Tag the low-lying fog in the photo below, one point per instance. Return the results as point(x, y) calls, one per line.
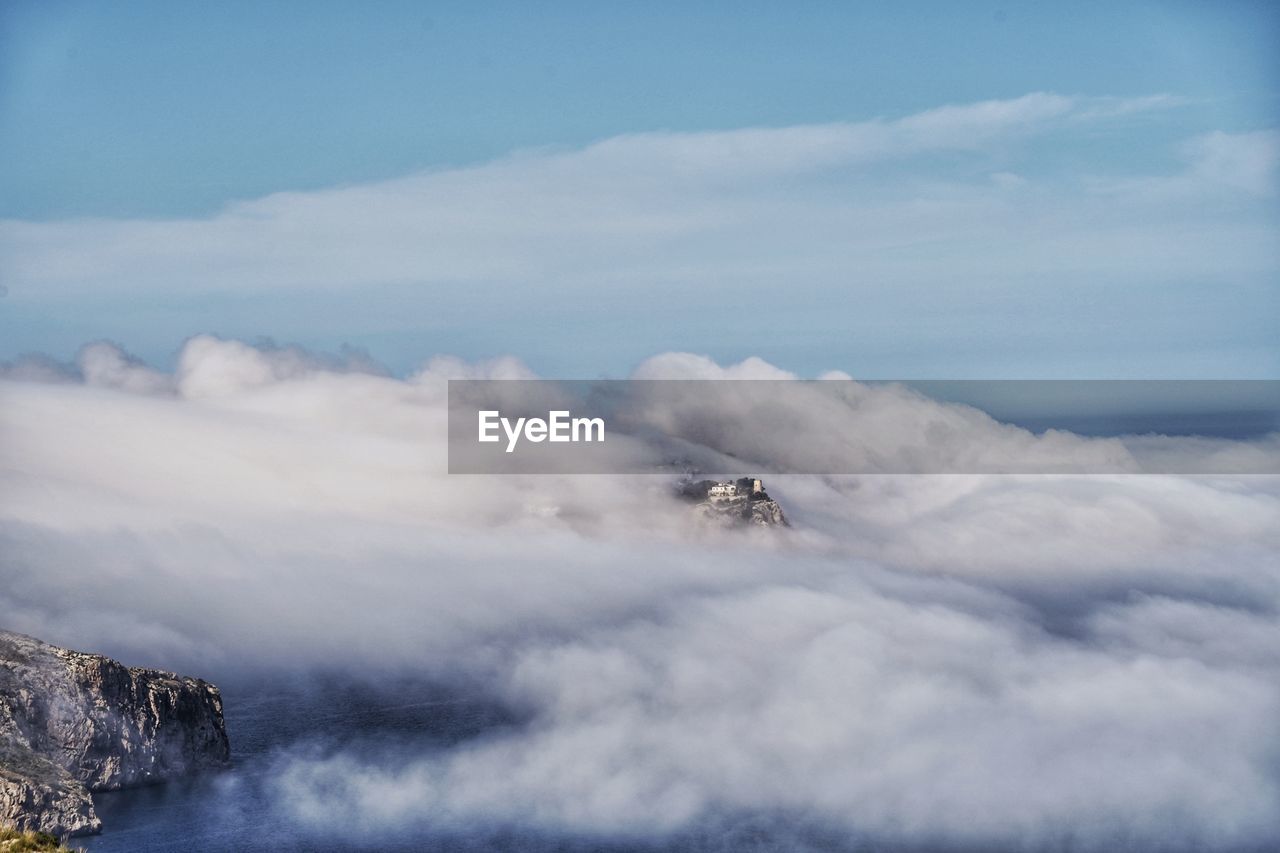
point(1032, 662)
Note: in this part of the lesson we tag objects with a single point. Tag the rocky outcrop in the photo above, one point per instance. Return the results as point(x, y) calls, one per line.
point(750, 506)
point(71, 723)
point(36, 794)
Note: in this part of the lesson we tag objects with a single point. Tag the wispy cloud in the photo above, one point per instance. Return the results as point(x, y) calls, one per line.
point(990, 225)
point(632, 203)
point(859, 224)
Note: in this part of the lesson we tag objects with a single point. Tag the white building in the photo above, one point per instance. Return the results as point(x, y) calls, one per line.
point(733, 491)
point(722, 491)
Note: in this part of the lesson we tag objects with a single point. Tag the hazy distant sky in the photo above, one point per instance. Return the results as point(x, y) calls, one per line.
point(1113, 215)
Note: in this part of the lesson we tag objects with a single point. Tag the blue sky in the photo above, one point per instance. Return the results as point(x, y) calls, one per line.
point(175, 168)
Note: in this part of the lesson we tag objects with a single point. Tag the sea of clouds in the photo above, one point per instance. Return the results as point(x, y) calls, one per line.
point(1020, 662)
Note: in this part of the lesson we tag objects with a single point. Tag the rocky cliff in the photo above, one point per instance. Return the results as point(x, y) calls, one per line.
point(71, 723)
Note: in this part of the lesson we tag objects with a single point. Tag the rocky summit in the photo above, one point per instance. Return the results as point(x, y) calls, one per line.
point(72, 723)
point(733, 503)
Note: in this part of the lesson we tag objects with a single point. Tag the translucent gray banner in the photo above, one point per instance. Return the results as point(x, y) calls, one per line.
point(849, 427)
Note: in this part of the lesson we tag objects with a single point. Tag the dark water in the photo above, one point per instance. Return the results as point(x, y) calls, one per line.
point(1236, 426)
point(231, 810)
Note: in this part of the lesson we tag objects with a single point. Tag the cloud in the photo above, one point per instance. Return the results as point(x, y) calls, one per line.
point(536, 213)
point(212, 367)
point(896, 720)
point(755, 153)
point(804, 244)
point(1244, 161)
point(1219, 167)
point(1022, 662)
point(105, 365)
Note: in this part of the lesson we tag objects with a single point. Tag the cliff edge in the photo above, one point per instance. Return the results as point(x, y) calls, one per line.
point(72, 723)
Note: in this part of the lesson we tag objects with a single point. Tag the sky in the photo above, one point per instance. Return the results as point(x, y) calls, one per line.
point(585, 185)
point(243, 247)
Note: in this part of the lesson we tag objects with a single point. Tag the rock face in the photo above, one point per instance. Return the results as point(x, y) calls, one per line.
point(39, 795)
point(747, 505)
point(71, 723)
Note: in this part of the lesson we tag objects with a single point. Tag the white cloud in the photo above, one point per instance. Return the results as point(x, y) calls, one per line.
point(1020, 661)
point(1242, 161)
point(894, 719)
point(566, 218)
point(1018, 243)
point(105, 365)
point(1219, 167)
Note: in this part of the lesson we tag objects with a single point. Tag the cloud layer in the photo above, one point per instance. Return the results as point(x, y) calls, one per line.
point(1025, 662)
point(994, 225)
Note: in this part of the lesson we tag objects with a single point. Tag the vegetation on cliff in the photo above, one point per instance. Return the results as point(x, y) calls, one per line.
point(17, 841)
